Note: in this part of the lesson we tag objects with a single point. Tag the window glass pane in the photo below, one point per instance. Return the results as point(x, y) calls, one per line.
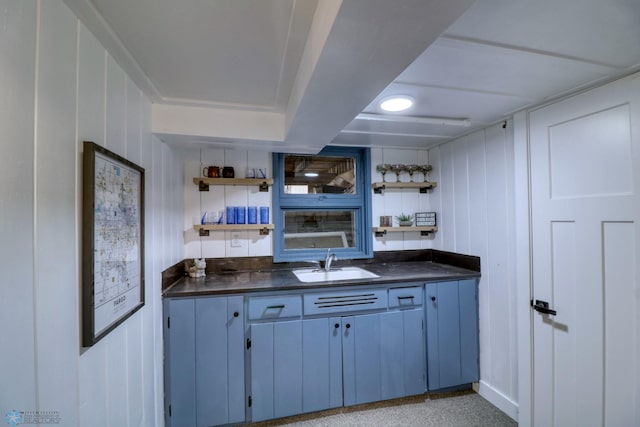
point(319, 174)
point(319, 229)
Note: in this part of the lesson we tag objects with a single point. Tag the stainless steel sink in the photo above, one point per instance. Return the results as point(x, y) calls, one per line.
point(310, 275)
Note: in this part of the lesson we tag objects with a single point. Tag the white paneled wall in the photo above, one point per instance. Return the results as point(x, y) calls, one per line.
point(476, 215)
point(218, 243)
point(58, 87)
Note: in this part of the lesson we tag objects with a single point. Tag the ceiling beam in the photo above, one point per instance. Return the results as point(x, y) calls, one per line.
point(370, 43)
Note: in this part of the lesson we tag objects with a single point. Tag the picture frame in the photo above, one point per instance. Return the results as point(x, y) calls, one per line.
point(112, 241)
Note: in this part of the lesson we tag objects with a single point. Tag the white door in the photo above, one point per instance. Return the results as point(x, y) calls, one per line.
point(585, 189)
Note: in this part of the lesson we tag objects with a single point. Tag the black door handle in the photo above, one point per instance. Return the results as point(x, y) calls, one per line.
point(542, 307)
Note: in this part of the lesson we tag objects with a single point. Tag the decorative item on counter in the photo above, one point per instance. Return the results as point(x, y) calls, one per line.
point(385, 220)
point(427, 219)
point(264, 214)
point(252, 215)
point(211, 171)
point(197, 269)
point(405, 220)
point(250, 173)
point(228, 172)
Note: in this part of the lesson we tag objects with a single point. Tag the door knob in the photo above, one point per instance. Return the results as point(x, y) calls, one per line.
point(542, 307)
point(337, 325)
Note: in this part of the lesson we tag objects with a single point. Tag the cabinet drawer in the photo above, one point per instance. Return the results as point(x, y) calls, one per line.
point(345, 301)
point(275, 307)
point(405, 297)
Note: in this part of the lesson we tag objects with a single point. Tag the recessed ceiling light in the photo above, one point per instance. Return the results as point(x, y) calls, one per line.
point(396, 103)
point(310, 174)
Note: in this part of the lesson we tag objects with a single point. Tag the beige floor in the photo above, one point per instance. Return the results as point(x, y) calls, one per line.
point(466, 409)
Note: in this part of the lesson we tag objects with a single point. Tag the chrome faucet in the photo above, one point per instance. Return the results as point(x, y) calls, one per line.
point(329, 259)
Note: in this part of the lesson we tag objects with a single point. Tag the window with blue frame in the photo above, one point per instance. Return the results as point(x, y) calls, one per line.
point(322, 202)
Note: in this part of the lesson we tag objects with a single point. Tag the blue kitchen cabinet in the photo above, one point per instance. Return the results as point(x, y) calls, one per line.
point(296, 367)
point(383, 356)
point(452, 333)
point(276, 369)
point(204, 361)
point(321, 363)
point(301, 365)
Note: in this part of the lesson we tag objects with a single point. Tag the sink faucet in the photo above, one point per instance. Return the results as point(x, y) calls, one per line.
point(329, 259)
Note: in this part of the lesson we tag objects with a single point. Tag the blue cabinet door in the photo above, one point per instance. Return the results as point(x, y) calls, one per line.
point(180, 369)
point(276, 369)
point(402, 353)
point(383, 356)
point(219, 361)
point(452, 333)
point(321, 364)
point(204, 361)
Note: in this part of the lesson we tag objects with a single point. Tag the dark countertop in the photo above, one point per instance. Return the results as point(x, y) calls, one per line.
point(280, 279)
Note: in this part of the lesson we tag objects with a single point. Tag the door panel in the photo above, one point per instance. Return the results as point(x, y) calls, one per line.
point(392, 355)
point(211, 361)
point(366, 336)
point(262, 369)
point(322, 364)
point(469, 345)
point(276, 369)
point(287, 361)
point(182, 369)
point(235, 358)
point(584, 154)
point(413, 348)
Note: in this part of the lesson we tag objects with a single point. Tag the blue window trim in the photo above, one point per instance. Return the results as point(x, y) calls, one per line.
point(359, 202)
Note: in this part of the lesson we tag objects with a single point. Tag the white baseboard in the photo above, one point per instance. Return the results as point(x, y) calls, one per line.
point(497, 399)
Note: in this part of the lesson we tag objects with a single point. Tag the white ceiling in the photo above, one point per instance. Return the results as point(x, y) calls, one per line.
point(292, 75)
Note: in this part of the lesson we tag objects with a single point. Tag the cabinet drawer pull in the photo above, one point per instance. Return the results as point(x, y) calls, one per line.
point(433, 299)
point(337, 325)
point(406, 297)
point(236, 314)
point(348, 325)
point(275, 307)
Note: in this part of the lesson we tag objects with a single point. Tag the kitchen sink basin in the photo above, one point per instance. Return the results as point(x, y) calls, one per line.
point(310, 275)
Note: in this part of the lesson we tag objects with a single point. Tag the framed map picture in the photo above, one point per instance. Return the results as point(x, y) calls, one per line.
point(112, 241)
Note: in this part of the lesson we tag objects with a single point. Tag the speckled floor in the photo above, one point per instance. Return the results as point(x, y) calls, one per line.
point(455, 410)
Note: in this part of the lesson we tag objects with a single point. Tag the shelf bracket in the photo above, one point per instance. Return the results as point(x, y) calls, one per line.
point(203, 187)
point(381, 233)
point(264, 187)
point(425, 232)
point(424, 190)
point(378, 190)
point(264, 231)
point(203, 233)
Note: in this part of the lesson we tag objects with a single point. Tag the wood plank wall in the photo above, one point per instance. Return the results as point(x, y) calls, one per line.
point(61, 87)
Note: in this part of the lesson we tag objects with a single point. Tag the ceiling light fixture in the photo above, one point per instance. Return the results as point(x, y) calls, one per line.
point(446, 121)
point(311, 174)
point(396, 103)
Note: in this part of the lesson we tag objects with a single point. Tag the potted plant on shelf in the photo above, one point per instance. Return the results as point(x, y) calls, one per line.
point(405, 220)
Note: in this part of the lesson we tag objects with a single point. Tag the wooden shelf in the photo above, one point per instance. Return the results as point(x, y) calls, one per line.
point(204, 183)
point(204, 229)
point(424, 231)
point(378, 187)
